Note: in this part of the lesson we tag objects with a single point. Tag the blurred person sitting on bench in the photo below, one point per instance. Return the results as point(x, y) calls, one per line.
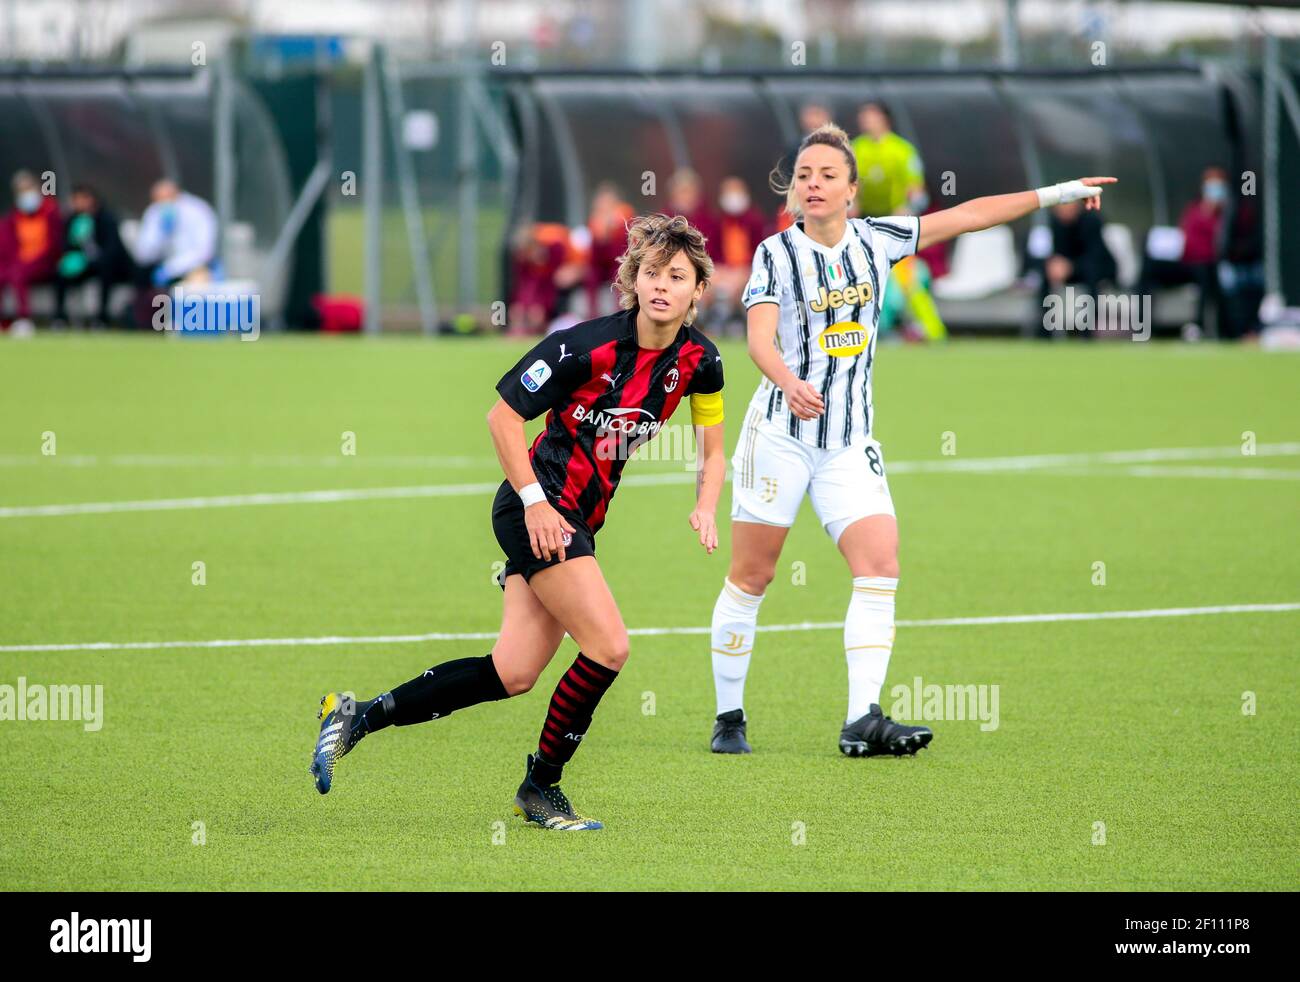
point(741, 227)
point(606, 241)
point(1201, 224)
point(686, 197)
point(93, 251)
point(1079, 258)
point(31, 238)
point(177, 243)
point(1241, 272)
point(534, 292)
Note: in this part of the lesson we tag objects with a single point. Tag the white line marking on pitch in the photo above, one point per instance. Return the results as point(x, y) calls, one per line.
point(252, 460)
point(295, 497)
point(1040, 461)
point(1181, 470)
point(1240, 473)
point(978, 465)
point(1096, 615)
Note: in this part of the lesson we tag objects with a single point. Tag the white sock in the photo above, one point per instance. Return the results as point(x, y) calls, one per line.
point(735, 618)
point(868, 640)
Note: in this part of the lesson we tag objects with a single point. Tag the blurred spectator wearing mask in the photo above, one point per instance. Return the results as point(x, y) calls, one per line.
point(1201, 224)
point(31, 240)
point(741, 227)
point(607, 228)
point(177, 244)
point(534, 294)
point(93, 250)
point(1079, 258)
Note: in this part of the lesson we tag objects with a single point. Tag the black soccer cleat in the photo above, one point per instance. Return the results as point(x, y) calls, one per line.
point(875, 735)
point(729, 734)
point(547, 805)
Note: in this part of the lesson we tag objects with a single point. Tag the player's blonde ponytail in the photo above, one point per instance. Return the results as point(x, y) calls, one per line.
point(828, 134)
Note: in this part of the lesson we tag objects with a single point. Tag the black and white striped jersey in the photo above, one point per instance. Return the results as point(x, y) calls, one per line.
point(829, 298)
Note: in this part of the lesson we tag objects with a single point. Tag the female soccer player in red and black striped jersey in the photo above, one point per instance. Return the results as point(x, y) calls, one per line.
point(609, 384)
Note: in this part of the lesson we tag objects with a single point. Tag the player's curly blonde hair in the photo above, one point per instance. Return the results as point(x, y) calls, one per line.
point(652, 240)
point(828, 134)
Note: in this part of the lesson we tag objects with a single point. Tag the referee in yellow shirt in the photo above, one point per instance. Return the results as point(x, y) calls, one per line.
point(890, 178)
point(891, 181)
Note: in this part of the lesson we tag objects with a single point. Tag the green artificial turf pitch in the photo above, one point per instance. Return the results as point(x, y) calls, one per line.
point(1136, 724)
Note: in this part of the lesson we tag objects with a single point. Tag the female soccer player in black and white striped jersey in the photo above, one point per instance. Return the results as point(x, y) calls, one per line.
point(609, 385)
point(814, 300)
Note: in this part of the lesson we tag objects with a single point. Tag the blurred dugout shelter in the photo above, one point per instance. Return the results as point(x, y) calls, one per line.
point(400, 182)
point(469, 154)
point(244, 146)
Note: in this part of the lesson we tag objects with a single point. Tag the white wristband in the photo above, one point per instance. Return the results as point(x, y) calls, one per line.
point(1059, 194)
point(530, 494)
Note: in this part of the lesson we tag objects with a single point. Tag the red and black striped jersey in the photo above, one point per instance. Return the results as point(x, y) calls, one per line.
point(606, 395)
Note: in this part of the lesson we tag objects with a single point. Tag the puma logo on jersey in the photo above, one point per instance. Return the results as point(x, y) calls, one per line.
point(859, 294)
point(611, 381)
point(564, 354)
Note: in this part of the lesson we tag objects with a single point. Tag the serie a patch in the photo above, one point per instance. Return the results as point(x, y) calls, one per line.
point(537, 374)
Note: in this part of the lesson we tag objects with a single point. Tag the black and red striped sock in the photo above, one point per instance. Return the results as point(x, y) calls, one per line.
point(572, 704)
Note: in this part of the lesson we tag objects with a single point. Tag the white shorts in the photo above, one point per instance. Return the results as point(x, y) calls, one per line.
point(772, 470)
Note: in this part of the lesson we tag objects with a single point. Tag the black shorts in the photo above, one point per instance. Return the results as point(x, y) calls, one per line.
point(512, 533)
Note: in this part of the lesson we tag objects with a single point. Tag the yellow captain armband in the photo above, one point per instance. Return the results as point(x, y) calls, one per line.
point(706, 408)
